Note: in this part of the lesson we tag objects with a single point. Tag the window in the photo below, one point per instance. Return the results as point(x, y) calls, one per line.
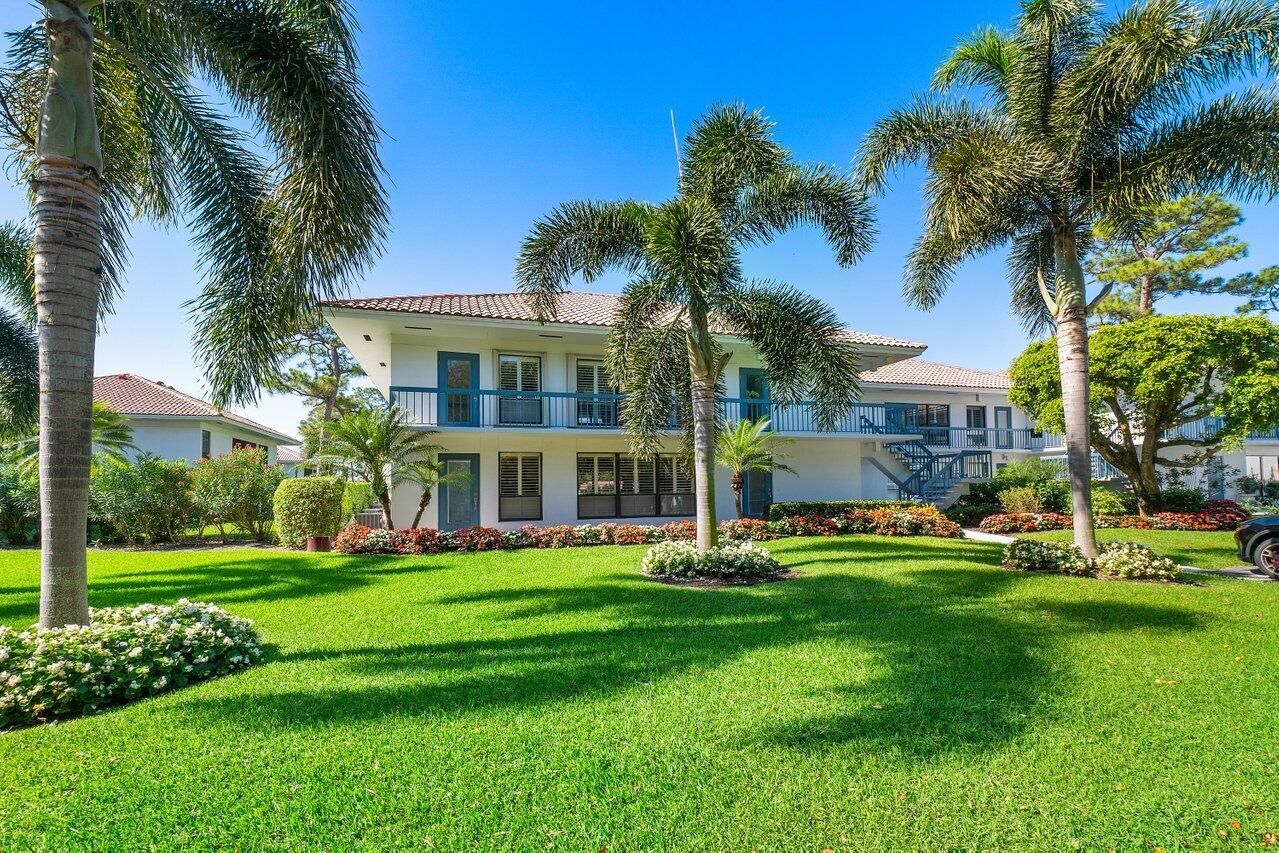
point(519, 484)
point(618, 485)
point(592, 383)
point(519, 373)
point(976, 419)
point(206, 444)
point(1263, 469)
point(241, 444)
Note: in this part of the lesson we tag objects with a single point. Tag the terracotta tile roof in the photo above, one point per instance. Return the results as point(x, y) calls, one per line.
point(916, 371)
point(130, 394)
point(574, 308)
point(288, 454)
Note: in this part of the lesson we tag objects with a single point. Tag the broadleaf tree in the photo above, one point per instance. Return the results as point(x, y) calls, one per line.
point(687, 294)
point(1068, 119)
point(109, 111)
point(1168, 392)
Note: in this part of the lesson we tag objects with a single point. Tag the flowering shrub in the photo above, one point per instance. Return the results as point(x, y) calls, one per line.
point(925, 520)
point(1025, 522)
point(683, 529)
point(122, 654)
point(730, 561)
point(1222, 518)
point(1224, 515)
point(1028, 555)
point(806, 525)
point(1131, 560)
point(475, 539)
point(419, 540)
point(742, 529)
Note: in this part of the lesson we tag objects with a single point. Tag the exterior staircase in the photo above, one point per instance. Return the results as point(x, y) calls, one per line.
point(933, 476)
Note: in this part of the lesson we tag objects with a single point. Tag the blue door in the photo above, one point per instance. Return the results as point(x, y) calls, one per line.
point(757, 486)
point(460, 502)
point(459, 386)
point(1003, 427)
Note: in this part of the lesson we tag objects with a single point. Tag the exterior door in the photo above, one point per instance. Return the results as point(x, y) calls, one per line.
point(976, 422)
point(1003, 427)
point(596, 402)
point(519, 378)
point(460, 502)
point(757, 486)
point(459, 385)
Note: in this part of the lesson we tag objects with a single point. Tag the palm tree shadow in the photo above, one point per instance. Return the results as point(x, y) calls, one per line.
point(950, 670)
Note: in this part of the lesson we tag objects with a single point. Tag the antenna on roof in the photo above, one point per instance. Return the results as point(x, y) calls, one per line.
point(679, 166)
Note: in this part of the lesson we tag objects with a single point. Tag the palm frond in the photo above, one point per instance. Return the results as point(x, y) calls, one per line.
point(802, 344)
point(921, 131)
point(808, 195)
point(19, 377)
point(728, 149)
point(984, 59)
point(1030, 263)
point(17, 278)
point(583, 238)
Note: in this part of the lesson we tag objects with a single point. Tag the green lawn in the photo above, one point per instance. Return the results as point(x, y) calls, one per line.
point(902, 693)
point(1203, 550)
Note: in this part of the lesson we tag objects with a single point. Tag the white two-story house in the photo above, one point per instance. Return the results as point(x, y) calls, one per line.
point(528, 411)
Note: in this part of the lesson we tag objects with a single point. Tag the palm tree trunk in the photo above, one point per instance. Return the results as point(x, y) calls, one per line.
point(384, 500)
point(421, 507)
point(1072, 354)
point(68, 257)
point(704, 457)
point(736, 483)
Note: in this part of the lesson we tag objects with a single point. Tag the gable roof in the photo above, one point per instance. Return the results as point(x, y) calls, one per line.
point(573, 307)
point(288, 454)
point(916, 371)
point(130, 394)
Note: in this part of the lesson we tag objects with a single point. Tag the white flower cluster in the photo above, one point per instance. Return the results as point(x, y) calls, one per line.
point(730, 560)
point(122, 654)
point(1131, 560)
point(1028, 555)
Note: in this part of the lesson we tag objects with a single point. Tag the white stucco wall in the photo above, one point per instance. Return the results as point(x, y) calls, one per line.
point(179, 438)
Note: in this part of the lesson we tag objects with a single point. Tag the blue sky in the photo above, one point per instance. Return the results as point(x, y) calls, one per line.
point(495, 113)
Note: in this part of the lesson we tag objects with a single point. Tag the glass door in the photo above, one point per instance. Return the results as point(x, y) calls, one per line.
point(516, 374)
point(596, 406)
point(976, 426)
point(459, 403)
point(460, 502)
point(754, 389)
point(1003, 427)
point(757, 492)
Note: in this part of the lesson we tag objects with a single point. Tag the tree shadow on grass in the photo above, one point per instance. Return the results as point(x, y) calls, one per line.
point(938, 665)
point(255, 577)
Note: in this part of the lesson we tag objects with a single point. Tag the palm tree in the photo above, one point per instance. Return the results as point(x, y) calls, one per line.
point(749, 446)
point(384, 446)
point(283, 217)
point(19, 360)
point(112, 442)
point(1081, 120)
point(428, 475)
point(737, 188)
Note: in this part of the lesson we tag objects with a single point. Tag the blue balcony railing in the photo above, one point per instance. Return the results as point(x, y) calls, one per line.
point(589, 411)
point(1209, 426)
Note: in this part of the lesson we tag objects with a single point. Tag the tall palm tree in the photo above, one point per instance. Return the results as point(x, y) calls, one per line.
point(104, 111)
point(383, 445)
point(749, 446)
point(1080, 119)
point(737, 188)
point(112, 437)
point(429, 475)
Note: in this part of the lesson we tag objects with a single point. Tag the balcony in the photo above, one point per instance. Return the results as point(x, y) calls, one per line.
point(487, 409)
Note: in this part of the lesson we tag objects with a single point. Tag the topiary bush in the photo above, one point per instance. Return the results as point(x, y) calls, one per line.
point(122, 654)
point(308, 506)
point(729, 561)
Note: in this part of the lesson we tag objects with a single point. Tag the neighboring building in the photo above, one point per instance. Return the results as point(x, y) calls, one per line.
point(528, 410)
point(173, 425)
point(288, 459)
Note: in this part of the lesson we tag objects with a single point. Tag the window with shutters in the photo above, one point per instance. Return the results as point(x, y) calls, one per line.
point(619, 485)
point(519, 484)
point(596, 397)
point(519, 377)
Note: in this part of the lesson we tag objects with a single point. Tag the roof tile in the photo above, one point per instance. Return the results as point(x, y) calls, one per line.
point(130, 394)
point(916, 371)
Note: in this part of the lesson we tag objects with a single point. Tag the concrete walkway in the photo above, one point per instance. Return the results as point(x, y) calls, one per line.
point(1242, 573)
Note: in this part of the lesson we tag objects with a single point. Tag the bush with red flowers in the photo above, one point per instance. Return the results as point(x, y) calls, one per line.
point(1025, 522)
point(742, 529)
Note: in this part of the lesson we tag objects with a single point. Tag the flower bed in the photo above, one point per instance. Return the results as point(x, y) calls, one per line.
point(1126, 560)
point(1219, 515)
point(917, 520)
point(1025, 522)
point(740, 561)
point(122, 654)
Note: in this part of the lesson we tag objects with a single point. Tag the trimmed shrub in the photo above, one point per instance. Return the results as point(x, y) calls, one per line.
point(122, 654)
point(1134, 561)
point(743, 529)
point(1020, 499)
point(236, 489)
point(1027, 555)
point(967, 513)
point(1179, 499)
point(830, 509)
point(729, 561)
point(148, 501)
point(308, 506)
point(357, 498)
point(1107, 502)
point(1026, 522)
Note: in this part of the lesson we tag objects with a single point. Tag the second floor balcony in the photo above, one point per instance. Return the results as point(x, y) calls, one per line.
point(525, 410)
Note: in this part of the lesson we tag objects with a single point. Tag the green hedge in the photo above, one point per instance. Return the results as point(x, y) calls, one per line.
point(787, 509)
point(308, 506)
point(358, 497)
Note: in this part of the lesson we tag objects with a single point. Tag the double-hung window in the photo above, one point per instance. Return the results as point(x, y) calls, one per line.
point(596, 400)
point(618, 485)
point(519, 378)
point(519, 483)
